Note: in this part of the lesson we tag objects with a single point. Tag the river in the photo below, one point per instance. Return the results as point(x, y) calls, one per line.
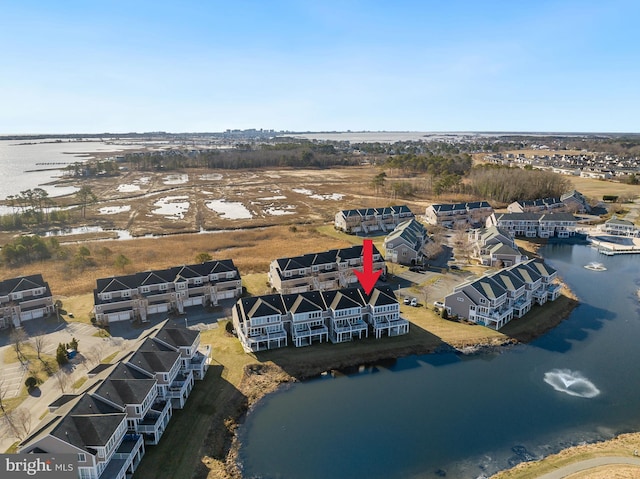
point(467, 416)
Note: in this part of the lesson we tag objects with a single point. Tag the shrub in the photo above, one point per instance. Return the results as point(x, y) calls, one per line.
point(445, 315)
point(31, 383)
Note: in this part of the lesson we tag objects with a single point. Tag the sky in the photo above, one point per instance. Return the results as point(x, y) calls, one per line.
point(319, 65)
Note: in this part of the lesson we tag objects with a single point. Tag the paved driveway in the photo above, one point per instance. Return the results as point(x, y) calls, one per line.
point(12, 377)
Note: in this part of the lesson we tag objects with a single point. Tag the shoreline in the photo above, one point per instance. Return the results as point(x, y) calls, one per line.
point(260, 379)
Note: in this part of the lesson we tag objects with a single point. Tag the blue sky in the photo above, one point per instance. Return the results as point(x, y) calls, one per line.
point(122, 66)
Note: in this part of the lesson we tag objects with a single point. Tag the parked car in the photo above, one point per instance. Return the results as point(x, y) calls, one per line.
point(406, 300)
point(414, 302)
point(438, 304)
point(416, 269)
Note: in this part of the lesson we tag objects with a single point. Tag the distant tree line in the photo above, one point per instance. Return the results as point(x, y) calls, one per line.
point(434, 165)
point(301, 155)
point(506, 185)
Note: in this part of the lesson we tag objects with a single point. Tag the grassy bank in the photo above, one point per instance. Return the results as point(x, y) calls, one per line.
point(623, 446)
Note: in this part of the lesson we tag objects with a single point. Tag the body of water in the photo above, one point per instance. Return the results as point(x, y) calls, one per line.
point(467, 416)
point(18, 159)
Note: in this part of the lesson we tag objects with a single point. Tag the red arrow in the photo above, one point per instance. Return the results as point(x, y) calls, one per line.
point(367, 276)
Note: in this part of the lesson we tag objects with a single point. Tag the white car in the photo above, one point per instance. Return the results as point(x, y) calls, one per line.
point(406, 300)
point(438, 304)
point(414, 302)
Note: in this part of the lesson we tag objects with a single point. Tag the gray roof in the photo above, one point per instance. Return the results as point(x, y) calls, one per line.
point(154, 361)
point(88, 431)
point(125, 392)
point(488, 287)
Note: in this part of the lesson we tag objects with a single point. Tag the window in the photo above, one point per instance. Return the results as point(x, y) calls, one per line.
point(197, 280)
point(16, 296)
point(144, 289)
point(126, 294)
point(106, 296)
point(82, 457)
point(164, 287)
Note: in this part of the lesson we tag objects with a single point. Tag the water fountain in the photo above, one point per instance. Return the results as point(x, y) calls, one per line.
point(571, 382)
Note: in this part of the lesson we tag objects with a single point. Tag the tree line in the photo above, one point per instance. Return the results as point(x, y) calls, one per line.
point(300, 155)
point(506, 185)
point(34, 207)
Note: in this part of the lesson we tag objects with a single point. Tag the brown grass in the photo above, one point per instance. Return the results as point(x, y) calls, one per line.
point(595, 189)
point(252, 251)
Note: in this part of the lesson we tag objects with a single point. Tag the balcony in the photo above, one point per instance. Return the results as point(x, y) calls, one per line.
point(126, 458)
point(200, 361)
point(304, 335)
point(495, 319)
point(269, 340)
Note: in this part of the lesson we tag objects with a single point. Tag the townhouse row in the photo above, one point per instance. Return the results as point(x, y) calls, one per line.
point(494, 246)
point(368, 220)
point(532, 225)
point(572, 202)
point(458, 215)
point(405, 244)
point(24, 298)
point(331, 269)
point(271, 321)
point(136, 296)
point(495, 299)
point(126, 405)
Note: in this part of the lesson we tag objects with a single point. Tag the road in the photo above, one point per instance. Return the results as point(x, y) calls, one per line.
point(590, 464)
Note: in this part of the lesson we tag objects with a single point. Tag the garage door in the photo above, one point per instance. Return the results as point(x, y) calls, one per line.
point(193, 301)
point(158, 308)
point(226, 294)
point(121, 316)
point(35, 313)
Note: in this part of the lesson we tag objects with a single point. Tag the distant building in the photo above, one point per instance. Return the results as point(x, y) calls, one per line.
point(494, 246)
point(452, 215)
point(135, 296)
point(536, 206)
point(532, 225)
point(621, 227)
point(24, 298)
point(404, 244)
point(331, 269)
point(370, 220)
point(575, 202)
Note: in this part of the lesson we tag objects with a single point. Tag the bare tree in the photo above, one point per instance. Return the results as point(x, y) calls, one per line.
point(425, 295)
point(39, 344)
point(21, 420)
point(94, 355)
point(18, 338)
point(432, 249)
point(3, 394)
point(62, 378)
